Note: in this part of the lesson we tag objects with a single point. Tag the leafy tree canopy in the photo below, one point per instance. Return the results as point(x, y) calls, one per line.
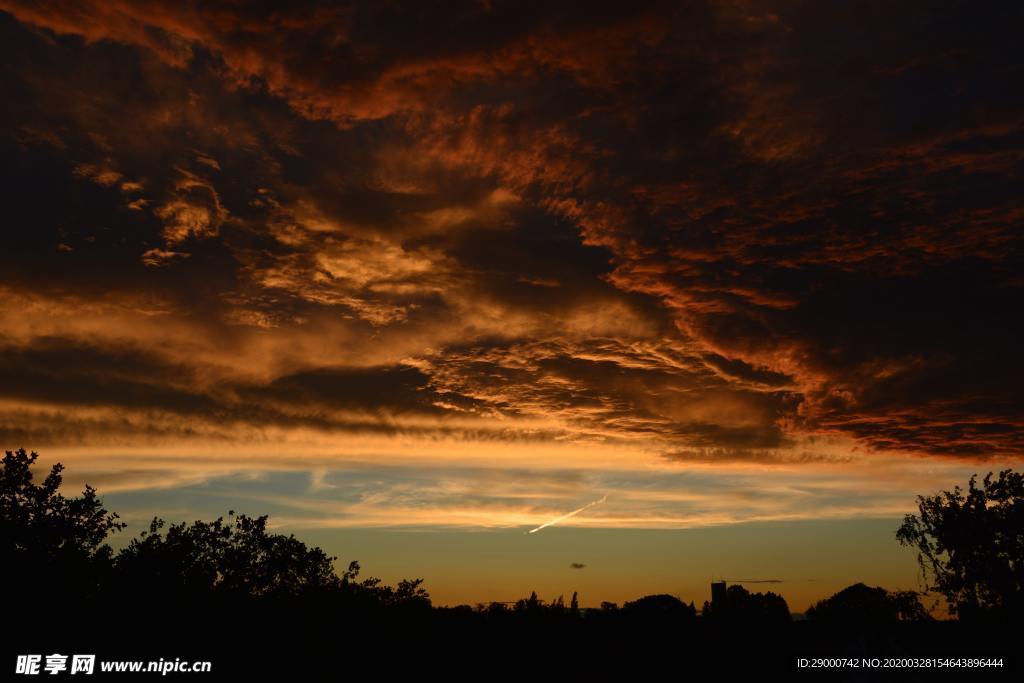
point(62, 542)
point(59, 541)
point(862, 604)
point(740, 605)
point(971, 543)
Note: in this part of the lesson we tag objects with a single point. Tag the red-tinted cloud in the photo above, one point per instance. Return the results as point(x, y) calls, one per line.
point(698, 228)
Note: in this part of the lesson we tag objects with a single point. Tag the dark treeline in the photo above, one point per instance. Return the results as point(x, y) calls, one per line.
point(254, 601)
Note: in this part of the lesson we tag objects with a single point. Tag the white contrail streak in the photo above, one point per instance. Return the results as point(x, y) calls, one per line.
point(567, 515)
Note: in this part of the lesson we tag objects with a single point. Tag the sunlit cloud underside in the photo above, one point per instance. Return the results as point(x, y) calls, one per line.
point(711, 263)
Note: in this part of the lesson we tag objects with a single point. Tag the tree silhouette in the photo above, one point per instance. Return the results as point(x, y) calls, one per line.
point(59, 542)
point(971, 544)
point(860, 604)
point(236, 559)
point(233, 578)
point(659, 606)
point(742, 606)
point(529, 605)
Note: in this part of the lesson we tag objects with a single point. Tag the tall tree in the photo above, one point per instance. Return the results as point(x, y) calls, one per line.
point(59, 542)
point(971, 544)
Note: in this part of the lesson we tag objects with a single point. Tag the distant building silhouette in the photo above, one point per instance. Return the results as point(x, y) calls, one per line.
point(718, 594)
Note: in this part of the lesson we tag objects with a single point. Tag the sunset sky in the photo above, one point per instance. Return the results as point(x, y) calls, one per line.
point(416, 279)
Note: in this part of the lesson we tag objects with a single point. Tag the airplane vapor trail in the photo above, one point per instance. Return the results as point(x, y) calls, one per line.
point(567, 515)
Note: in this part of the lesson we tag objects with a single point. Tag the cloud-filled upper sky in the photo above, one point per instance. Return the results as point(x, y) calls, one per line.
point(502, 259)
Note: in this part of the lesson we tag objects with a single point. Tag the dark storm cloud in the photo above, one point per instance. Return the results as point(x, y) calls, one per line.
point(734, 367)
point(67, 371)
point(394, 389)
point(723, 226)
point(134, 381)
